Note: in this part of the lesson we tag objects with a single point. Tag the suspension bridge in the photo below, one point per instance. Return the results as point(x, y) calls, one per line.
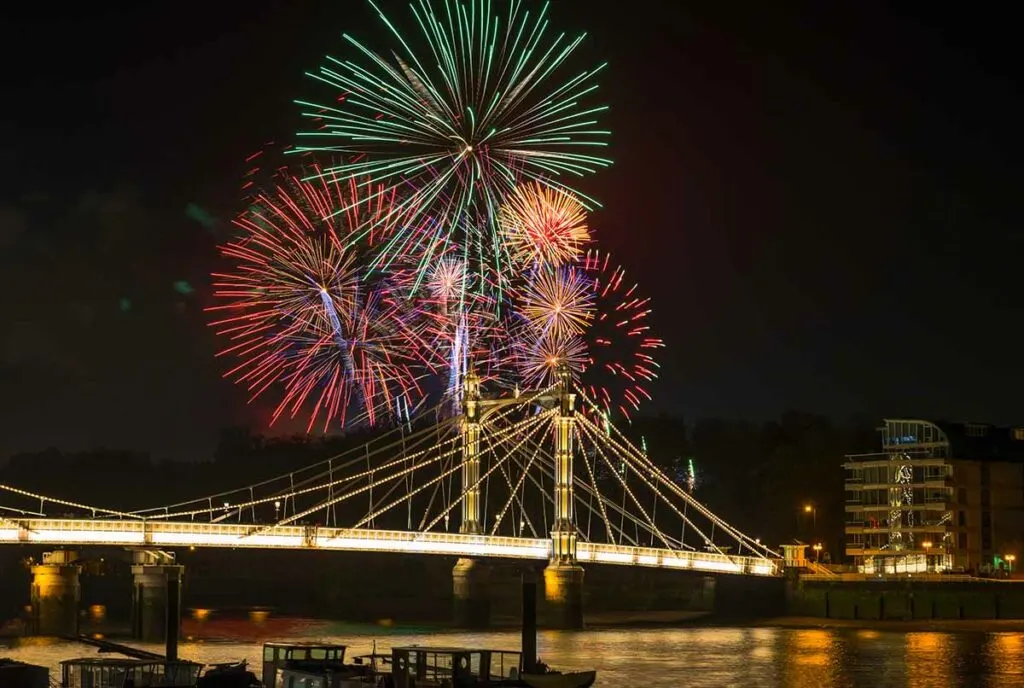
point(526, 476)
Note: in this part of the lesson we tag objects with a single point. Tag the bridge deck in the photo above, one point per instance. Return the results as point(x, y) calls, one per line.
point(155, 533)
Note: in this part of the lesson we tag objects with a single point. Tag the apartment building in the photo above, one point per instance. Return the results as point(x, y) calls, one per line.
point(938, 497)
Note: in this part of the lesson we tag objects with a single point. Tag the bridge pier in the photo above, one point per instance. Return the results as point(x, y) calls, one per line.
point(471, 580)
point(563, 596)
point(56, 594)
point(156, 598)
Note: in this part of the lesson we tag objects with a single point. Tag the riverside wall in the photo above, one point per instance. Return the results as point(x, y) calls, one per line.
point(893, 599)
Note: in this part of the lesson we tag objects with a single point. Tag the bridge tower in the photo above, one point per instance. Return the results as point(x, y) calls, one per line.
point(471, 577)
point(56, 594)
point(563, 577)
point(471, 457)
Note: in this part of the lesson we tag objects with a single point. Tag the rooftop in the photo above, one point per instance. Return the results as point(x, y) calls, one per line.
point(954, 440)
point(126, 662)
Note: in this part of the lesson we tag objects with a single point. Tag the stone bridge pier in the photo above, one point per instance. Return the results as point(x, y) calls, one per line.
point(471, 582)
point(56, 594)
point(156, 596)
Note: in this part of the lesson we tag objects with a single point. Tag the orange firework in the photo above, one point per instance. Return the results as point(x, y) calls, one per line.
point(543, 225)
point(558, 301)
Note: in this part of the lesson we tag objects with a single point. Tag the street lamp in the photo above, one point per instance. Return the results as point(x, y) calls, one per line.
point(817, 552)
point(927, 544)
point(277, 510)
point(1010, 558)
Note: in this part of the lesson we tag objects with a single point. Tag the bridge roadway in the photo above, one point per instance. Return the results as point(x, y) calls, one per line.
point(158, 533)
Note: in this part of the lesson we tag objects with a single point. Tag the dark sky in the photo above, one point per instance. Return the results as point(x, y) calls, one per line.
point(825, 203)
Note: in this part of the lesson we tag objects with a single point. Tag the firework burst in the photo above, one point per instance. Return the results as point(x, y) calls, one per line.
point(301, 316)
point(557, 301)
point(620, 346)
point(543, 225)
point(447, 282)
point(455, 119)
point(538, 358)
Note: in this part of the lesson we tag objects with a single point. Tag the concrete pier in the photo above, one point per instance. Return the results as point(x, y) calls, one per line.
point(471, 580)
point(156, 598)
point(56, 594)
point(563, 596)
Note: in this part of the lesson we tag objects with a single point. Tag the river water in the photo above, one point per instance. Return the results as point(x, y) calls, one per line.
point(676, 658)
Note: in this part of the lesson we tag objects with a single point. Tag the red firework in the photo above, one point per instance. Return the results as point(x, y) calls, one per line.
point(303, 318)
point(620, 346)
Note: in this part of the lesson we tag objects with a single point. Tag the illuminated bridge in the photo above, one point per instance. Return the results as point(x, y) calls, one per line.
point(528, 477)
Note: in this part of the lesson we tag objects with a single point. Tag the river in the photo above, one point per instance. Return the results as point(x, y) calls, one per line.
point(715, 657)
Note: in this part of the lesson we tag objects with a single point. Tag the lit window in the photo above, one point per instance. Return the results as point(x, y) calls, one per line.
point(1018, 434)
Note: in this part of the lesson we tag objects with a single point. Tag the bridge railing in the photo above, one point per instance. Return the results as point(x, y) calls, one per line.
point(68, 532)
point(599, 553)
point(193, 534)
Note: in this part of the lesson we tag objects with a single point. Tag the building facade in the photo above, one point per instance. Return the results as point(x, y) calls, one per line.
point(939, 497)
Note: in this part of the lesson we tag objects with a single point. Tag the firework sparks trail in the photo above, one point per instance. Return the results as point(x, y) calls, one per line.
point(540, 355)
point(544, 226)
point(558, 301)
point(302, 316)
point(455, 120)
point(620, 346)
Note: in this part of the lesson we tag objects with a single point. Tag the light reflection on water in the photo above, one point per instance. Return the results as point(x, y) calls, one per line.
point(679, 658)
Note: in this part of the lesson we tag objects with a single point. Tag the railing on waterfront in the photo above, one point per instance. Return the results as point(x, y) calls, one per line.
point(891, 577)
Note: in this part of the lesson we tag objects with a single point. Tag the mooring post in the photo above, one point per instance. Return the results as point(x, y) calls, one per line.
point(173, 617)
point(529, 630)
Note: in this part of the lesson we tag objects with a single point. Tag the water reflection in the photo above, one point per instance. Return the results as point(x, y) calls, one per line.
point(928, 660)
point(650, 658)
point(808, 658)
point(1006, 654)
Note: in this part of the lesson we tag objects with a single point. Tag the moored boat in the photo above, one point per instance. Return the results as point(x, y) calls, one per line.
point(230, 675)
point(126, 672)
point(313, 665)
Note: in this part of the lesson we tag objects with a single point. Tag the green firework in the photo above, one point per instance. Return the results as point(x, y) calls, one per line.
point(454, 119)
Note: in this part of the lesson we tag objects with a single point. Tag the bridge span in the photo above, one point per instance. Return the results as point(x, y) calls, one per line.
point(169, 534)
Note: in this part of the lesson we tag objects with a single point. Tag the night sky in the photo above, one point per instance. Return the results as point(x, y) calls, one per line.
point(825, 204)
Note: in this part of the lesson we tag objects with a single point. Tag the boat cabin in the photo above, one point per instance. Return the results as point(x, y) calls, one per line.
point(453, 667)
point(113, 672)
point(357, 677)
point(310, 657)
